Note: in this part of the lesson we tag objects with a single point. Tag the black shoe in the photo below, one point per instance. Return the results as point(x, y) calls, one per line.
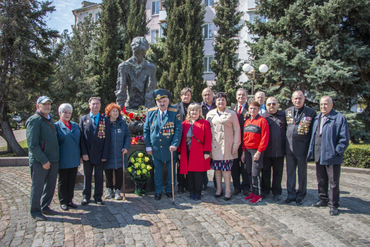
point(85, 202)
point(287, 201)
point(72, 205)
point(205, 186)
point(197, 197)
point(99, 202)
point(276, 198)
point(39, 217)
point(49, 211)
point(299, 202)
point(158, 196)
point(320, 204)
point(181, 190)
point(191, 196)
point(218, 196)
point(334, 211)
point(264, 196)
point(169, 195)
point(227, 198)
point(236, 192)
point(64, 207)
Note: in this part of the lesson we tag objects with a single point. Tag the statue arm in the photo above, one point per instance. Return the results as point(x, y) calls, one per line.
point(121, 92)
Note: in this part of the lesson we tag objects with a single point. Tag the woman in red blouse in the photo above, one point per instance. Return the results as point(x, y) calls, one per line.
point(255, 140)
point(194, 149)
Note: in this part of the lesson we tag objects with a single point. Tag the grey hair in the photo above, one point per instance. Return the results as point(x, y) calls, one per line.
point(327, 97)
point(64, 107)
point(240, 89)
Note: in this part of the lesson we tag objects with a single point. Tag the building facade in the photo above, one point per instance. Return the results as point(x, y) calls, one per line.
point(87, 8)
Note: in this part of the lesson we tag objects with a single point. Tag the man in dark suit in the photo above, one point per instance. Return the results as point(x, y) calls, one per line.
point(207, 104)
point(162, 133)
point(95, 146)
point(299, 120)
point(185, 95)
point(239, 168)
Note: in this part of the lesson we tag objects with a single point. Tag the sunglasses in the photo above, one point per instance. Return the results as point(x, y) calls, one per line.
point(273, 103)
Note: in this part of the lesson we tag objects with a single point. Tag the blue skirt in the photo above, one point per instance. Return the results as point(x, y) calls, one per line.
point(222, 165)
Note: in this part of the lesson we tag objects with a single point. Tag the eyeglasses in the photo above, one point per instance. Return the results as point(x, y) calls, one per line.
point(273, 103)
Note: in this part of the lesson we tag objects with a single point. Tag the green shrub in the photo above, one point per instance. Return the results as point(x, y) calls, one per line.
point(357, 156)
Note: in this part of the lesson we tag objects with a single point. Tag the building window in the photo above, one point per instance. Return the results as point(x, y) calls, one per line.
point(207, 64)
point(208, 31)
point(208, 2)
point(97, 15)
point(252, 15)
point(155, 7)
point(154, 36)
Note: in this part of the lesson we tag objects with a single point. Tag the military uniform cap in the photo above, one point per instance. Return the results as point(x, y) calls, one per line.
point(161, 93)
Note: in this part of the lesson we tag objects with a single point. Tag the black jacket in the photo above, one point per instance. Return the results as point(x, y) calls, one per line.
point(242, 117)
point(183, 112)
point(277, 127)
point(205, 109)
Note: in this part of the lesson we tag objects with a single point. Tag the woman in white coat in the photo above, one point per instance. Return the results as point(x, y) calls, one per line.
point(225, 130)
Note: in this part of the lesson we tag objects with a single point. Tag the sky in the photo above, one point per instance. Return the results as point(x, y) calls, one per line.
point(62, 18)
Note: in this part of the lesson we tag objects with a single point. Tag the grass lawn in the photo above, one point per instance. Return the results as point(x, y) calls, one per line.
point(3, 152)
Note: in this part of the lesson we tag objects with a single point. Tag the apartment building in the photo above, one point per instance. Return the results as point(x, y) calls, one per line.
point(87, 8)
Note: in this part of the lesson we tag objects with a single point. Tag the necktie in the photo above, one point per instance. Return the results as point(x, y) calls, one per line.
point(94, 122)
point(323, 120)
point(240, 110)
point(162, 116)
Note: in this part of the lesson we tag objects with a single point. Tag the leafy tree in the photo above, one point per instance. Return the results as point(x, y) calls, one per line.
point(225, 63)
point(27, 59)
point(318, 46)
point(181, 62)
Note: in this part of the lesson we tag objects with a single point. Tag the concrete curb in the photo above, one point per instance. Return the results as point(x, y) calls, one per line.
point(345, 169)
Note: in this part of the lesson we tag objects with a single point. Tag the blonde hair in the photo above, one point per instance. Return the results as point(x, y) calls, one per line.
point(194, 106)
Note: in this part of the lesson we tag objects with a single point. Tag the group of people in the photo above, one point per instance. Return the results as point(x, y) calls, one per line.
point(244, 144)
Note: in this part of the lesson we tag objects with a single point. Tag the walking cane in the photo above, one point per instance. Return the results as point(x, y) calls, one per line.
point(123, 180)
point(173, 187)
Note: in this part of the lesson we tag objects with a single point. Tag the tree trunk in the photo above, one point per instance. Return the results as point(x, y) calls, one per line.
point(9, 137)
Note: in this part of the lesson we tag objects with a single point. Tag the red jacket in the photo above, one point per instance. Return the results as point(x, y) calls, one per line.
point(256, 134)
point(196, 163)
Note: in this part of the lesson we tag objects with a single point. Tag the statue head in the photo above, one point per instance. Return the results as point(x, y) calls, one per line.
point(139, 46)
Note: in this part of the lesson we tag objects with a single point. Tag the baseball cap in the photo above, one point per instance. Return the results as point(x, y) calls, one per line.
point(43, 99)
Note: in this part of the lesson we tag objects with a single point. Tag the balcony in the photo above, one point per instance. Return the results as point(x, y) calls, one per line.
point(162, 16)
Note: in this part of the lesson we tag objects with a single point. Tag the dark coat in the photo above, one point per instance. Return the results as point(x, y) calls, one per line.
point(277, 127)
point(334, 139)
point(298, 133)
point(182, 110)
point(95, 145)
point(69, 145)
point(202, 132)
point(242, 117)
point(205, 109)
point(120, 139)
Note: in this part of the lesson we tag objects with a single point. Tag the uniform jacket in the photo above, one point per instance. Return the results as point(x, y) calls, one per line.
point(242, 117)
point(226, 134)
point(277, 127)
point(298, 133)
point(256, 133)
point(196, 162)
point(205, 108)
point(160, 135)
point(334, 139)
point(95, 145)
point(120, 138)
point(39, 134)
point(69, 145)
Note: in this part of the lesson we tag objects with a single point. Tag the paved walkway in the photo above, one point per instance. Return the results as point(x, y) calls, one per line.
point(143, 221)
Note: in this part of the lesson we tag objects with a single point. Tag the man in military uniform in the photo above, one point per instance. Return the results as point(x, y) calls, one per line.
point(162, 133)
point(299, 120)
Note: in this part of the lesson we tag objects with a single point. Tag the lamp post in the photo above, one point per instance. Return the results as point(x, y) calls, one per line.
point(251, 73)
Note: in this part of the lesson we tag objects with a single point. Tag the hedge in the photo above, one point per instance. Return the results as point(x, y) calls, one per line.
point(357, 156)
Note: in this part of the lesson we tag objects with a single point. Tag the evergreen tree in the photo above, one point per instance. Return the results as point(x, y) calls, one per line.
point(26, 57)
point(320, 47)
point(225, 63)
point(181, 64)
point(123, 8)
point(107, 45)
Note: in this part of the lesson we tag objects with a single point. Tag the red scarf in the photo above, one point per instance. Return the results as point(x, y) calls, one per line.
point(68, 125)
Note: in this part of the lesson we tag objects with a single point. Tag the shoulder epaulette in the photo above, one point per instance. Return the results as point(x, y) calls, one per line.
point(173, 109)
point(153, 109)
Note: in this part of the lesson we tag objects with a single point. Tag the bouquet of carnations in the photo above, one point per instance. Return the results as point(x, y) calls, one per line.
point(137, 140)
point(135, 115)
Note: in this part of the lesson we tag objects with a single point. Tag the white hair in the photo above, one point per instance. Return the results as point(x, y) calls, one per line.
point(64, 107)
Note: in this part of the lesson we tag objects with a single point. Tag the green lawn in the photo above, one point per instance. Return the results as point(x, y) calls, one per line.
point(3, 149)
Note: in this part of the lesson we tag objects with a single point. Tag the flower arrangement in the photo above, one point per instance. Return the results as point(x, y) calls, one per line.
point(139, 166)
point(137, 140)
point(135, 115)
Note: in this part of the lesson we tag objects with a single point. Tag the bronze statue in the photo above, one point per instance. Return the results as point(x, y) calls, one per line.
point(136, 78)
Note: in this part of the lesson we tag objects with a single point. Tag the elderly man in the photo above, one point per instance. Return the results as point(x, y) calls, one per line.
point(329, 140)
point(95, 148)
point(275, 151)
point(207, 104)
point(43, 151)
point(260, 97)
point(241, 109)
point(162, 133)
point(298, 134)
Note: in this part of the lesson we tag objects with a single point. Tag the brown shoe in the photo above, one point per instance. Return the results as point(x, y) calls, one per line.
point(236, 191)
point(246, 192)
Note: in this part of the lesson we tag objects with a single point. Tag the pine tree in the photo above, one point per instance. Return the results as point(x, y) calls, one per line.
point(319, 47)
point(181, 64)
point(26, 57)
point(225, 63)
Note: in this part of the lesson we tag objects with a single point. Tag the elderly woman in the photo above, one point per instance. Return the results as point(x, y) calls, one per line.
point(255, 140)
point(225, 129)
point(68, 134)
point(195, 147)
point(120, 143)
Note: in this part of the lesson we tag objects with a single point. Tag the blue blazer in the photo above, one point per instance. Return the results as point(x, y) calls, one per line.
point(160, 135)
point(95, 144)
point(69, 145)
